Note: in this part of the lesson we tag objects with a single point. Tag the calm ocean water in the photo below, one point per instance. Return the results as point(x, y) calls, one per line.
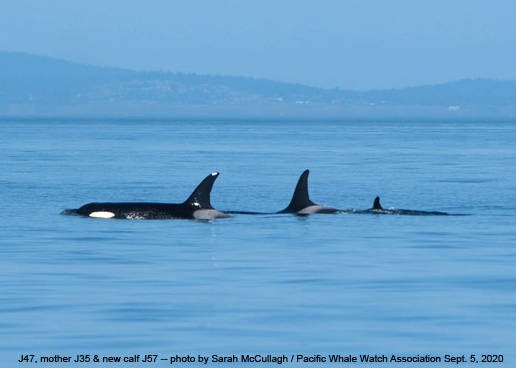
point(345, 283)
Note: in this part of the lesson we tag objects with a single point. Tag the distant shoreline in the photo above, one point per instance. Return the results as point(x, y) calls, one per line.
point(39, 86)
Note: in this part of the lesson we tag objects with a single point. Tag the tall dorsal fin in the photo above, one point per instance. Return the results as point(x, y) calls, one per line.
point(300, 199)
point(376, 204)
point(200, 197)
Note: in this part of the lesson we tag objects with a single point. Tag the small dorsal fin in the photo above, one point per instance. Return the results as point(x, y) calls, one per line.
point(376, 204)
point(300, 199)
point(200, 197)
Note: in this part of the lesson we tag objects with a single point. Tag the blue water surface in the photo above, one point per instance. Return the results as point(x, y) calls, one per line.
point(278, 284)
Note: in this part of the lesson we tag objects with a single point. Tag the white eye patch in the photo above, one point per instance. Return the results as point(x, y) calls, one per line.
point(102, 214)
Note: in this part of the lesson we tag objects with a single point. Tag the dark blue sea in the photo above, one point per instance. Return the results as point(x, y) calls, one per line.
point(270, 284)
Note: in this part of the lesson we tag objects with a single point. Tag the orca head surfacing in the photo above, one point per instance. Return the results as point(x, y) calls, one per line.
point(300, 203)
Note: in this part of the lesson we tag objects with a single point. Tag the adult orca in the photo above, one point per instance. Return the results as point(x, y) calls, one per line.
point(300, 204)
point(379, 210)
point(197, 206)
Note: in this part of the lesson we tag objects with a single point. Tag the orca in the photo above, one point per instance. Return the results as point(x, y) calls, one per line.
point(300, 204)
point(379, 210)
point(197, 206)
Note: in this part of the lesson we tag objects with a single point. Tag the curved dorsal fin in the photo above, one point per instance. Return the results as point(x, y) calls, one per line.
point(300, 199)
point(200, 197)
point(376, 204)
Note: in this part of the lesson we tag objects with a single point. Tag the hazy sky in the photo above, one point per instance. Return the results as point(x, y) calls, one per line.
point(346, 43)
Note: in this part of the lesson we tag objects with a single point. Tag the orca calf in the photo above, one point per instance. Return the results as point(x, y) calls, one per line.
point(379, 210)
point(197, 206)
point(300, 203)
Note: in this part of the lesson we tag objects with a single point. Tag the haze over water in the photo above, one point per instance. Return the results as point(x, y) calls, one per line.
point(344, 283)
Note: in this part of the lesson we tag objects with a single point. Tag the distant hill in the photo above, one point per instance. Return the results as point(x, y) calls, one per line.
point(36, 85)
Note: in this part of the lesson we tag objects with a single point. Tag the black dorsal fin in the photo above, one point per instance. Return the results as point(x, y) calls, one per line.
point(376, 204)
point(300, 199)
point(200, 197)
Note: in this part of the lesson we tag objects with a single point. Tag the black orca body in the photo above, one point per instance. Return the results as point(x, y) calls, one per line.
point(197, 206)
point(300, 203)
point(377, 209)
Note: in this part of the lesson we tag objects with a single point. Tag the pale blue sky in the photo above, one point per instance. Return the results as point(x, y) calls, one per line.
point(347, 43)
